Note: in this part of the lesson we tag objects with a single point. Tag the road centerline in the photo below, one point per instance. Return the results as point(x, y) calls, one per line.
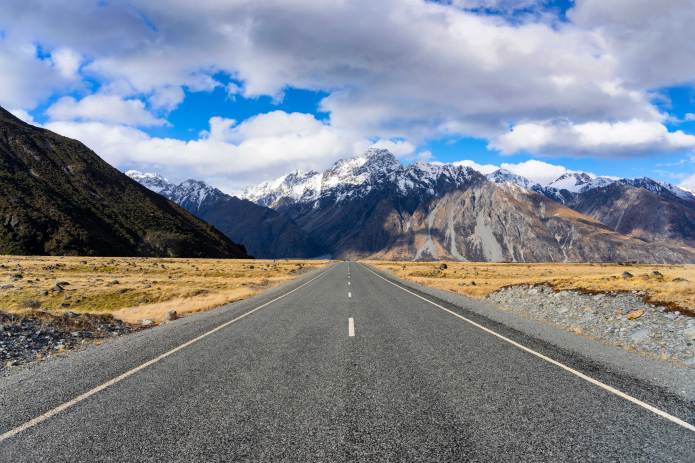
point(567, 368)
point(351, 327)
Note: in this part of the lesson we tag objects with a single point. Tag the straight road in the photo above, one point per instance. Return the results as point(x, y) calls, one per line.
point(346, 366)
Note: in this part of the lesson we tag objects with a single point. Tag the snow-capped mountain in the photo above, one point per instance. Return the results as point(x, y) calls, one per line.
point(153, 181)
point(358, 176)
point(577, 182)
point(506, 176)
point(264, 232)
point(372, 205)
point(298, 186)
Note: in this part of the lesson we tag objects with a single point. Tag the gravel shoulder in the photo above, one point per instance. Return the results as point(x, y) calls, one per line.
point(517, 310)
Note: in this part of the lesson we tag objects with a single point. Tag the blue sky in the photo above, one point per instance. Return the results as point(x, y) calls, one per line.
point(236, 93)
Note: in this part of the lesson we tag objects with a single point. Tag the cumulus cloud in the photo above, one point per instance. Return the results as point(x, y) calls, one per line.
point(103, 108)
point(167, 98)
point(401, 149)
point(482, 168)
point(406, 70)
point(533, 169)
point(688, 183)
point(67, 62)
point(25, 80)
point(650, 41)
point(383, 63)
point(593, 138)
point(23, 115)
point(229, 155)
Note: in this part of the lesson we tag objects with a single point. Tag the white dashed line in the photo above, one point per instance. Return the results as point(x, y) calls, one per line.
point(349, 294)
point(351, 327)
point(581, 375)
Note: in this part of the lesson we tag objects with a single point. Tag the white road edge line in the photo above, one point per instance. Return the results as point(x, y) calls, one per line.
point(60, 408)
point(349, 294)
point(351, 327)
point(589, 379)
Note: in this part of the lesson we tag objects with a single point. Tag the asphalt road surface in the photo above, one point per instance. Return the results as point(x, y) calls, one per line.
point(341, 366)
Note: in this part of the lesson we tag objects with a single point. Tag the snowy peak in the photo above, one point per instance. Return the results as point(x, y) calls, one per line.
point(190, 192)
point(358, 176)
point(659, 187)
point(152, 181)
point(506, 176)
point(578, 182)
point(298, 186)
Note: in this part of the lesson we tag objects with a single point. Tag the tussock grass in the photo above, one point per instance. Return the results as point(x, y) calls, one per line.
point(669, 285)
point(133, 289)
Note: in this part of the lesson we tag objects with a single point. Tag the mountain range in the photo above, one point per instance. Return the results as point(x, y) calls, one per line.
point(60, 198)
point(372, 206)
point(265, 232)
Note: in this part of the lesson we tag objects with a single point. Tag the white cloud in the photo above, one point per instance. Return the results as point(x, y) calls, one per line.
point(537, 171)
point(482, 168)
point(167, 98)
point(25, 79)
point(67, 61)
point(228, 155)
point(534, 170)
point(23, 115)
point(103, 108)
point(650, 41)
point(400, 148)
point(394, 69)
point(688, 183)
point(633, 137)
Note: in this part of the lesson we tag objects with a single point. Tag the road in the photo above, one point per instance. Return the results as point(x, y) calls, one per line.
point(342, 366)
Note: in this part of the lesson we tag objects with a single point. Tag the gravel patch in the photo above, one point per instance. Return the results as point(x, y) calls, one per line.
point(620, 319)
point(27, 338)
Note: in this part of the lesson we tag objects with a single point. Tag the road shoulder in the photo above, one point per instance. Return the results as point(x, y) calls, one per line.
point(675, 380)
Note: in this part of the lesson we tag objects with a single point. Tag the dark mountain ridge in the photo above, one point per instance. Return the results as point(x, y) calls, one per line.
point(60, 198)
point(266, 233)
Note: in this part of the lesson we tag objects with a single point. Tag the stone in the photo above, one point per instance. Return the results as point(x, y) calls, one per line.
point(6, 286)
point(31, 304)
point(635, 314)
point(57, 288)
point(146, 322)
point(627, 275)
point(640, 335)
point(657, 274)
point(443, 266)
point(171, 316)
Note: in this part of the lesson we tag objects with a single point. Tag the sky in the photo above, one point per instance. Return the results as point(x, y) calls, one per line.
point(235, 92)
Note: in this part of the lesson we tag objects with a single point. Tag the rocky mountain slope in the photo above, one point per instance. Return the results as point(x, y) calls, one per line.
point(642, 208)
point(372, 206)
point(58, 197)
point(265, 232)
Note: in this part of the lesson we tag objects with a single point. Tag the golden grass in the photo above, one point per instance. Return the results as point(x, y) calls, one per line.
point(675, 288)
point(134, 289)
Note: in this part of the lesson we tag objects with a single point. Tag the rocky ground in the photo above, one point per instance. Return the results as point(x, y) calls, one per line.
point(620, 319)
point(25, 338)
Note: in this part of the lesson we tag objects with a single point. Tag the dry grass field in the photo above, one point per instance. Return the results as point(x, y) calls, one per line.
point(133, 289)
point(670, 285)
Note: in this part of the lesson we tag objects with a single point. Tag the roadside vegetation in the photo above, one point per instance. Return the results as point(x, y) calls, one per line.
point(670, 285)
point(135, 289)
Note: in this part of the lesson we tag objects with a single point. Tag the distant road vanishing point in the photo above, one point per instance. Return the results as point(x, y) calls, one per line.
point(343, 364)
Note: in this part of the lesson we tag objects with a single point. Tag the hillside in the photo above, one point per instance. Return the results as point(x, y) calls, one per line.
point(265, 232)
point(60, 198)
